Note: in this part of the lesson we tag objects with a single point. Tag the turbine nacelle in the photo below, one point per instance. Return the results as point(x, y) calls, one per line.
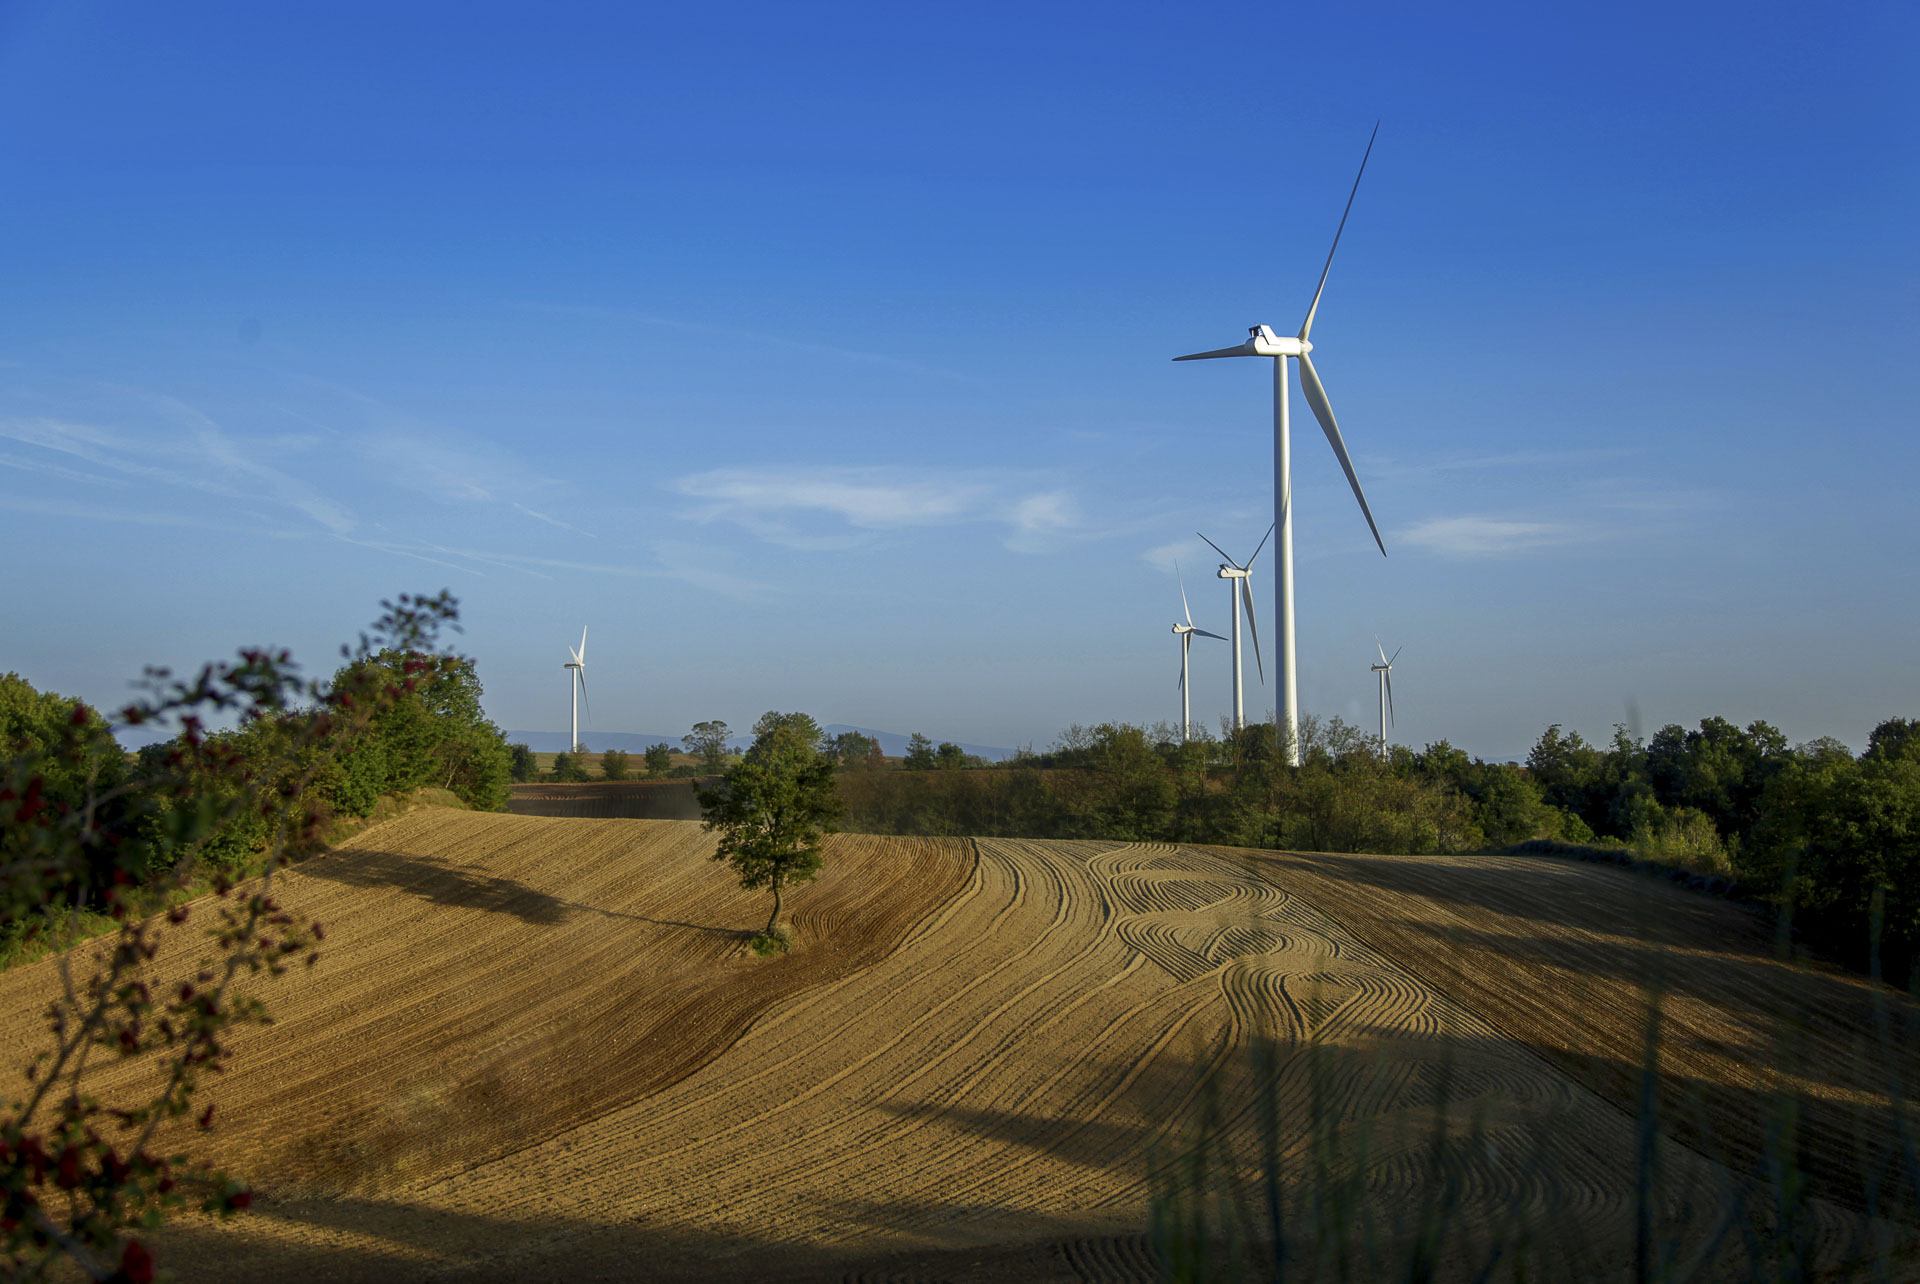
point(1261, 342)
point(1233, 572)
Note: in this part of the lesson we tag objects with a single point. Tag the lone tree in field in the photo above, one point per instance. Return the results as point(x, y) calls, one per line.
point(708, 740)
point(775, 808)
point(659, 761)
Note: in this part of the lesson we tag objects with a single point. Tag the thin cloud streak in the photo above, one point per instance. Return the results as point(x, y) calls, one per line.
point(107, 513)
point(774, 502)
point(202, 459)
point(1481, 536)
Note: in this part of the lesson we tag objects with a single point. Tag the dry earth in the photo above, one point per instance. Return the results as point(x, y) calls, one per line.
point(607, 799)
point(535, 1050)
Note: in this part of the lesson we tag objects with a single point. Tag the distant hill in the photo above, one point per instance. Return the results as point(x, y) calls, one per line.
point(892, 743)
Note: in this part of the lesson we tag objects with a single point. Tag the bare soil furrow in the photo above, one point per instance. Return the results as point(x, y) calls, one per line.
point(536, 1050)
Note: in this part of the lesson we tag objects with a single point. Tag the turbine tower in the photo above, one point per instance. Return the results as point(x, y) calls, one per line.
point(1186, 632)
point(1384, 674)
point(1239, 596)
point(577, 689)
point(1263, 342)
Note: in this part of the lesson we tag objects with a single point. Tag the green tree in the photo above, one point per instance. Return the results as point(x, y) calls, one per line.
point(920, 754)
point(614, 764)
point(951, 757)
point(1895, 740)
point(429, 731)
point(853, 749)
point(568, 767)
point(1131, 794)
point(659, 761)
point(708, 741)
point(774, 809)
point(795, 731)
point(522, 765)
point(1838, 837)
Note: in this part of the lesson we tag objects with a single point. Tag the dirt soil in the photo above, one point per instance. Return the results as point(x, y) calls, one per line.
point(608, 799)
point(535, 1050)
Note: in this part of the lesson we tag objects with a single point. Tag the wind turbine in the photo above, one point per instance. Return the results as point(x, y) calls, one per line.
point(1186, 632)
point(1263, 342)
point(577, 688)
point(1384, 670)
point(1236, 597)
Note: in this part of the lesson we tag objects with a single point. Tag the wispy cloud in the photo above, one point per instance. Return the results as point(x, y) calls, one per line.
point(1518, 460)
point(787, 504)
point(1481, 536)
point(23, 464)
point(196, 456)
point(1166, 557)
point(74, 510)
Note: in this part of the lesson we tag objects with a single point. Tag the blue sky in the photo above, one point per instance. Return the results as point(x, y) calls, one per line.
point(817, 356)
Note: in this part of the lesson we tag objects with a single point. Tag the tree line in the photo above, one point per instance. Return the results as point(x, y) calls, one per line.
point(389, 722)
point(1828, 838)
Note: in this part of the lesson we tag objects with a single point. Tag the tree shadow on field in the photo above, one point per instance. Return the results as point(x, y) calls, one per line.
point(441, 882)
point(380, 1241)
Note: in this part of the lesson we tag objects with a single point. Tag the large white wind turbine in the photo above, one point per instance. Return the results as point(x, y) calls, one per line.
point(1186, 632)
point(577, 688)
point(1384, 673)
point(1263, 342)
point(1239, 595)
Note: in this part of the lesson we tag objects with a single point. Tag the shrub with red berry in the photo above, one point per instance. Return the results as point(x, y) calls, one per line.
point(82, 832)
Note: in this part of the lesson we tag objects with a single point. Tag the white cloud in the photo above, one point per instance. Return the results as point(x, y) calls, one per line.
point(1044, 513)
point(1476, 536)
point(1166, 557)
point(785, 504)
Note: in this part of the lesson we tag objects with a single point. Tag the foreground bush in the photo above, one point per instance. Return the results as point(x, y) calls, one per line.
point(83, 831)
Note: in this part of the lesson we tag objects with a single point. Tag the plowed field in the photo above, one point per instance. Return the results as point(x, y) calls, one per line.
point(608, 799)
point(535, 1050)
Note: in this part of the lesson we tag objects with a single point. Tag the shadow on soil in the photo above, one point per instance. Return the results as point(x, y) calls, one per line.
point(441, 882)
point(406, 1244)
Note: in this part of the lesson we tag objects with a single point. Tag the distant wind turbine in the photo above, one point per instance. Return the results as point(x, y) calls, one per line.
point(1186, 632)
point(1384, 673)
point(1263, 342)
point(1238, 597)
point(577, 688)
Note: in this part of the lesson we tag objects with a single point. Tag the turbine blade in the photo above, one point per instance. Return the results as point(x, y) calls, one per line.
point(583, 694)
point(1216, 548)
point(1317, 398)
point(1203, 633)
point(1246, 596)
point(1183, 594)
point(1390, 721)
point(582, 654)
point(1306, 327)
point(1263, 544)
point(1383, 649)
point(1396, 654)
point(1180, 684)
point(1238, 350)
